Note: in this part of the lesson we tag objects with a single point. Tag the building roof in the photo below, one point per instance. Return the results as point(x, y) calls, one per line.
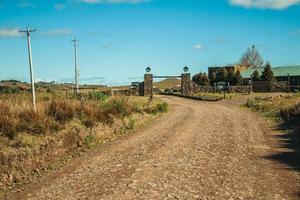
point(278, 71)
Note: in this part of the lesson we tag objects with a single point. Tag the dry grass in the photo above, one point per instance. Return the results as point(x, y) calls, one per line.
point(275, 107)
point(52, 115)
point(30, 140)
point(285, 109)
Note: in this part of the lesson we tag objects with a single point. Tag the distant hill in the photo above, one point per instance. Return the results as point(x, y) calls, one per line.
point(167, 83)
point(43, 86)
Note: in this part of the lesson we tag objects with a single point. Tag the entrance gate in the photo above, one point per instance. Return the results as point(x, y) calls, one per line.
point(146, 88)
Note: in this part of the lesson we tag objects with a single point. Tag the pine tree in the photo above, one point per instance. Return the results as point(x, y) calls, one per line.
point(255, 76)
point(268, 74)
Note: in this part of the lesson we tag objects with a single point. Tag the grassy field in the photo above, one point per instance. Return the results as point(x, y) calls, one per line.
point(218, 96)
point(29, 140)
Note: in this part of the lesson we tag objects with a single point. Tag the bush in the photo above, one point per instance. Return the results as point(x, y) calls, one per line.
point(61, 111)
point(97, 96)
point(90, 141)
point(119, 107)
point(33, 122)
point(8, 121)
point(162, 107)
point(8, 126)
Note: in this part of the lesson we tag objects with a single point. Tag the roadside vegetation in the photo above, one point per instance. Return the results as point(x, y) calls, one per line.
point(285, 111)
point(218, 96)
point(28, 139)
point(283, 108)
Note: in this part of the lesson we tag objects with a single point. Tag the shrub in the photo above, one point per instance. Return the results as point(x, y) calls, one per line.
point(8, 126)
point(131, 123)
point(118, 106)
point(61, 111)
point(89, 123)
point(8, 121)
point(90, 141)
point(162, 107)
point(97, 96)
point(33, 122)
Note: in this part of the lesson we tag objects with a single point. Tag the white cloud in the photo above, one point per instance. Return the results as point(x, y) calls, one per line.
point(297, 32)
point(113, 1)
point(198, 47)
point(9, 33)
point(58, 32)
point(59, 6)
point(25, 4)
point(265, 4)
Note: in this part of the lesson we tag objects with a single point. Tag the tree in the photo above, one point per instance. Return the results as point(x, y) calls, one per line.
point(268, 74)
point(201, 79)
point(252, 59)
point(255, 76)
point(238, 78)
point(230, 77)
point(235, 78)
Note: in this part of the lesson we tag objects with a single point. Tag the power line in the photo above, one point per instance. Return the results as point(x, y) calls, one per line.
point(28, 31)
point(75, 41)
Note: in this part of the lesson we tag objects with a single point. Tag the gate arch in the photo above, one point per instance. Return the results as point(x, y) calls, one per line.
point(146, 88)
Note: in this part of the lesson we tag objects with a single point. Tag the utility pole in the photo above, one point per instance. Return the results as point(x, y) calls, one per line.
point(28, 31)
point(75, 41)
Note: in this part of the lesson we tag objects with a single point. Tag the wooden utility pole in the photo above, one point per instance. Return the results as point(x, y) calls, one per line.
point(28, 31)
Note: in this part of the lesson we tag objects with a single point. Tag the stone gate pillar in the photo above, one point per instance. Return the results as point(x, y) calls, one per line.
point(185, 82)
point(148, 83)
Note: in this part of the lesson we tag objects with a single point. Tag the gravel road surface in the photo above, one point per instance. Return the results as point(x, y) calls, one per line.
point(199, 150)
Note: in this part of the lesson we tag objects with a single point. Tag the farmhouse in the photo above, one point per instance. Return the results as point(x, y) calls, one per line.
point(284, 73)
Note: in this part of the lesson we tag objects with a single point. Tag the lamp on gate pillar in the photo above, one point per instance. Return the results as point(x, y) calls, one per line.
point(185, 69)
point(148, 69)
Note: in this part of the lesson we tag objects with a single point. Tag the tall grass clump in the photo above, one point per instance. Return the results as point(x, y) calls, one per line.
point(8, 121)
point(118, 107)
point(61, 110)
point(291, 114)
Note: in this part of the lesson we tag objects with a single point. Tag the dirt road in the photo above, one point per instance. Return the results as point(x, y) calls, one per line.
point(199, 150)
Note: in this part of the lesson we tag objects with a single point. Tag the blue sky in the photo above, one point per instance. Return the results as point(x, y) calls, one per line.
point(120, 38)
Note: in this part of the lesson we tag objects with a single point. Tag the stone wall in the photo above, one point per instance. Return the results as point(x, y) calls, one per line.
point(240, 89)
point(195, 88)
